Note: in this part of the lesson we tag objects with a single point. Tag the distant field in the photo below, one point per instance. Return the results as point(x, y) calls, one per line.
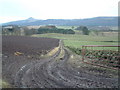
point(70, 27)
point(66, 27)
point(77, 40)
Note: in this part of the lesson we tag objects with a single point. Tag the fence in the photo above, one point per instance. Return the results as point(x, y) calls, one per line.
point(102, 55)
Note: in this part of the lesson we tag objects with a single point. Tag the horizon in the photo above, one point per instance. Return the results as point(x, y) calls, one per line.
point(58, 19)
point(14, 10)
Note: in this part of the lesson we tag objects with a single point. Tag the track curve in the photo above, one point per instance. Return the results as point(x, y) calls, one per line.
point(55, 72)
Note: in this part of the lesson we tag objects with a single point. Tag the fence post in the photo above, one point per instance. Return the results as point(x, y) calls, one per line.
point(83, 52)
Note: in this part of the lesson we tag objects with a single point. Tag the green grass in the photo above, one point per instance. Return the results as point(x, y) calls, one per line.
point(66, 27)
point(4, 84)
point(77, 40)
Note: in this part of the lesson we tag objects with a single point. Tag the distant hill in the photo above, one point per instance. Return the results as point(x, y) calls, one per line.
point(97, 21)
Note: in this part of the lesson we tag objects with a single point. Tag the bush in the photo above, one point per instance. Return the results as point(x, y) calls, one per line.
point(84, 30)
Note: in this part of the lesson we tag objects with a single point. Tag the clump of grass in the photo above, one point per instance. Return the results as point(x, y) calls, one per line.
point(75, 50)
point(52, 52)
point(4, 84)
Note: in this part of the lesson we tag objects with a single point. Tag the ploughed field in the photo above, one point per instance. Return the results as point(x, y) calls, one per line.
point(17, 51)
point(24, 67)
point(27, 45)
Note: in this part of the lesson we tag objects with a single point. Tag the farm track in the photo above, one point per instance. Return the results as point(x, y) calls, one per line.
point(55, 72)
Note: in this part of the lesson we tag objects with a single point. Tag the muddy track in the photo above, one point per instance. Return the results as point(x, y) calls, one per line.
point(55, 72)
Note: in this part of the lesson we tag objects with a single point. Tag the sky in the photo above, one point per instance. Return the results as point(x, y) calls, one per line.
point(12, 10)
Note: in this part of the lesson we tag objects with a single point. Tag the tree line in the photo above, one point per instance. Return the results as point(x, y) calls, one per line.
point(24, 30)
point(55, 30)
point(16, 30)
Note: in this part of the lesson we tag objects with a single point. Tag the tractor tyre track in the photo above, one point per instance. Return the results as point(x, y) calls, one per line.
point(54, 73)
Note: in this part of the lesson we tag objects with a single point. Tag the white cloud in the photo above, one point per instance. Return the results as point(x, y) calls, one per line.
point(66, 9)
point(6, 19)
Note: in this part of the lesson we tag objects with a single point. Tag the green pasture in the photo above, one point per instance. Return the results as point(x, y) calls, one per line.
point(77, 40)
point(66, 27)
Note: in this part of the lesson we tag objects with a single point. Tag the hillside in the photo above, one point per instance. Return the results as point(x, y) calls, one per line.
point(96, 21)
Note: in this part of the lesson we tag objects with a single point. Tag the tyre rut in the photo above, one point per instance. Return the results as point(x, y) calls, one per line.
point(54, 73)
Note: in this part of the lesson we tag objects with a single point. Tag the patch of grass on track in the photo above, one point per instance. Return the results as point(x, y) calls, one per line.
point(4, 84)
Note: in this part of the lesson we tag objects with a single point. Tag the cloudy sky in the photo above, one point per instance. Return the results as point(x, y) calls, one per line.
point(11, 10)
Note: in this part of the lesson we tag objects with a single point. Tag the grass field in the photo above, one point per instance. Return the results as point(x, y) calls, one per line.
point(66, 27)
point(77, 40)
